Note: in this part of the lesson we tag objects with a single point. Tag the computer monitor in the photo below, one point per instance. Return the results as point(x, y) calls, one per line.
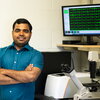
point(81, 20)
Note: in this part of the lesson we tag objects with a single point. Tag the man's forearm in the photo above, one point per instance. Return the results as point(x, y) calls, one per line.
point(16, 75)
point(22, 76)
point(5, 80)
point(30, 74)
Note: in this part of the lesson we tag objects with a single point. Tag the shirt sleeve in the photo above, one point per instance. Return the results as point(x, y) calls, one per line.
point(37, 60)
point(0, 57)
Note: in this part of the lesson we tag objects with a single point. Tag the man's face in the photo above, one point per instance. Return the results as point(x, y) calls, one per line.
point(21, 34)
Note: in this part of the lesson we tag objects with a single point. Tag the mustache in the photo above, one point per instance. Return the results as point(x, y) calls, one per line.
point(21, 37)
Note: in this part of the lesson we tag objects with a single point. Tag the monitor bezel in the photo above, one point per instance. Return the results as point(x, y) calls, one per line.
point(62, 7)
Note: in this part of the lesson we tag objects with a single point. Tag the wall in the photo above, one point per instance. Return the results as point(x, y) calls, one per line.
point(45, 16)
point(96, 1)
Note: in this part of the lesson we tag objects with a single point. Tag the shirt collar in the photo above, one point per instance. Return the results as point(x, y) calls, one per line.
point(27, 46)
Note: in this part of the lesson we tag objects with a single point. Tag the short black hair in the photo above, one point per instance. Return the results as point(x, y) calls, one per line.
point(24, 21)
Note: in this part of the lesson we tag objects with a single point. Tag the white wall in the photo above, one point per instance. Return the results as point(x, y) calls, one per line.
point(96, 1)
point(45, 16)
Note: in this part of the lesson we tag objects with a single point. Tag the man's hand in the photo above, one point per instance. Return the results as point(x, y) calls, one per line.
point(29, 67)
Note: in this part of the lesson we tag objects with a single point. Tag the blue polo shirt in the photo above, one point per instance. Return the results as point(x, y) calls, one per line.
point(10, 58)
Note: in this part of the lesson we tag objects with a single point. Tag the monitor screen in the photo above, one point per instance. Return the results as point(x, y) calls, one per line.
point(81, 20)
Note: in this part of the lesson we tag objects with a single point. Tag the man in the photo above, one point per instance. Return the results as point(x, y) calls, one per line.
point(20, 64)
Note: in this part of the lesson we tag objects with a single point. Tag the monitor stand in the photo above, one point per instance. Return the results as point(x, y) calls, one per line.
point(89, 41)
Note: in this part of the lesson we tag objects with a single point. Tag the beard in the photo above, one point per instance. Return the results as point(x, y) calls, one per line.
point(20, 45)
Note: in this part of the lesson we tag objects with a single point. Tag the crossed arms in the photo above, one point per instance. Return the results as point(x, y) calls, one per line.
point(30, 74)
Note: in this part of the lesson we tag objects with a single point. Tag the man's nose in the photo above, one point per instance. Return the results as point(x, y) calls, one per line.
point(21, 32)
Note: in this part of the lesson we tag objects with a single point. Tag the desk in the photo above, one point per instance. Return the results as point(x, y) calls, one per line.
point(86, 48)
point(80, 47)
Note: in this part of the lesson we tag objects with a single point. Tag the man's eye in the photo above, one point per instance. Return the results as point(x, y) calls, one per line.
point(17, 30)
point(26, 31)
